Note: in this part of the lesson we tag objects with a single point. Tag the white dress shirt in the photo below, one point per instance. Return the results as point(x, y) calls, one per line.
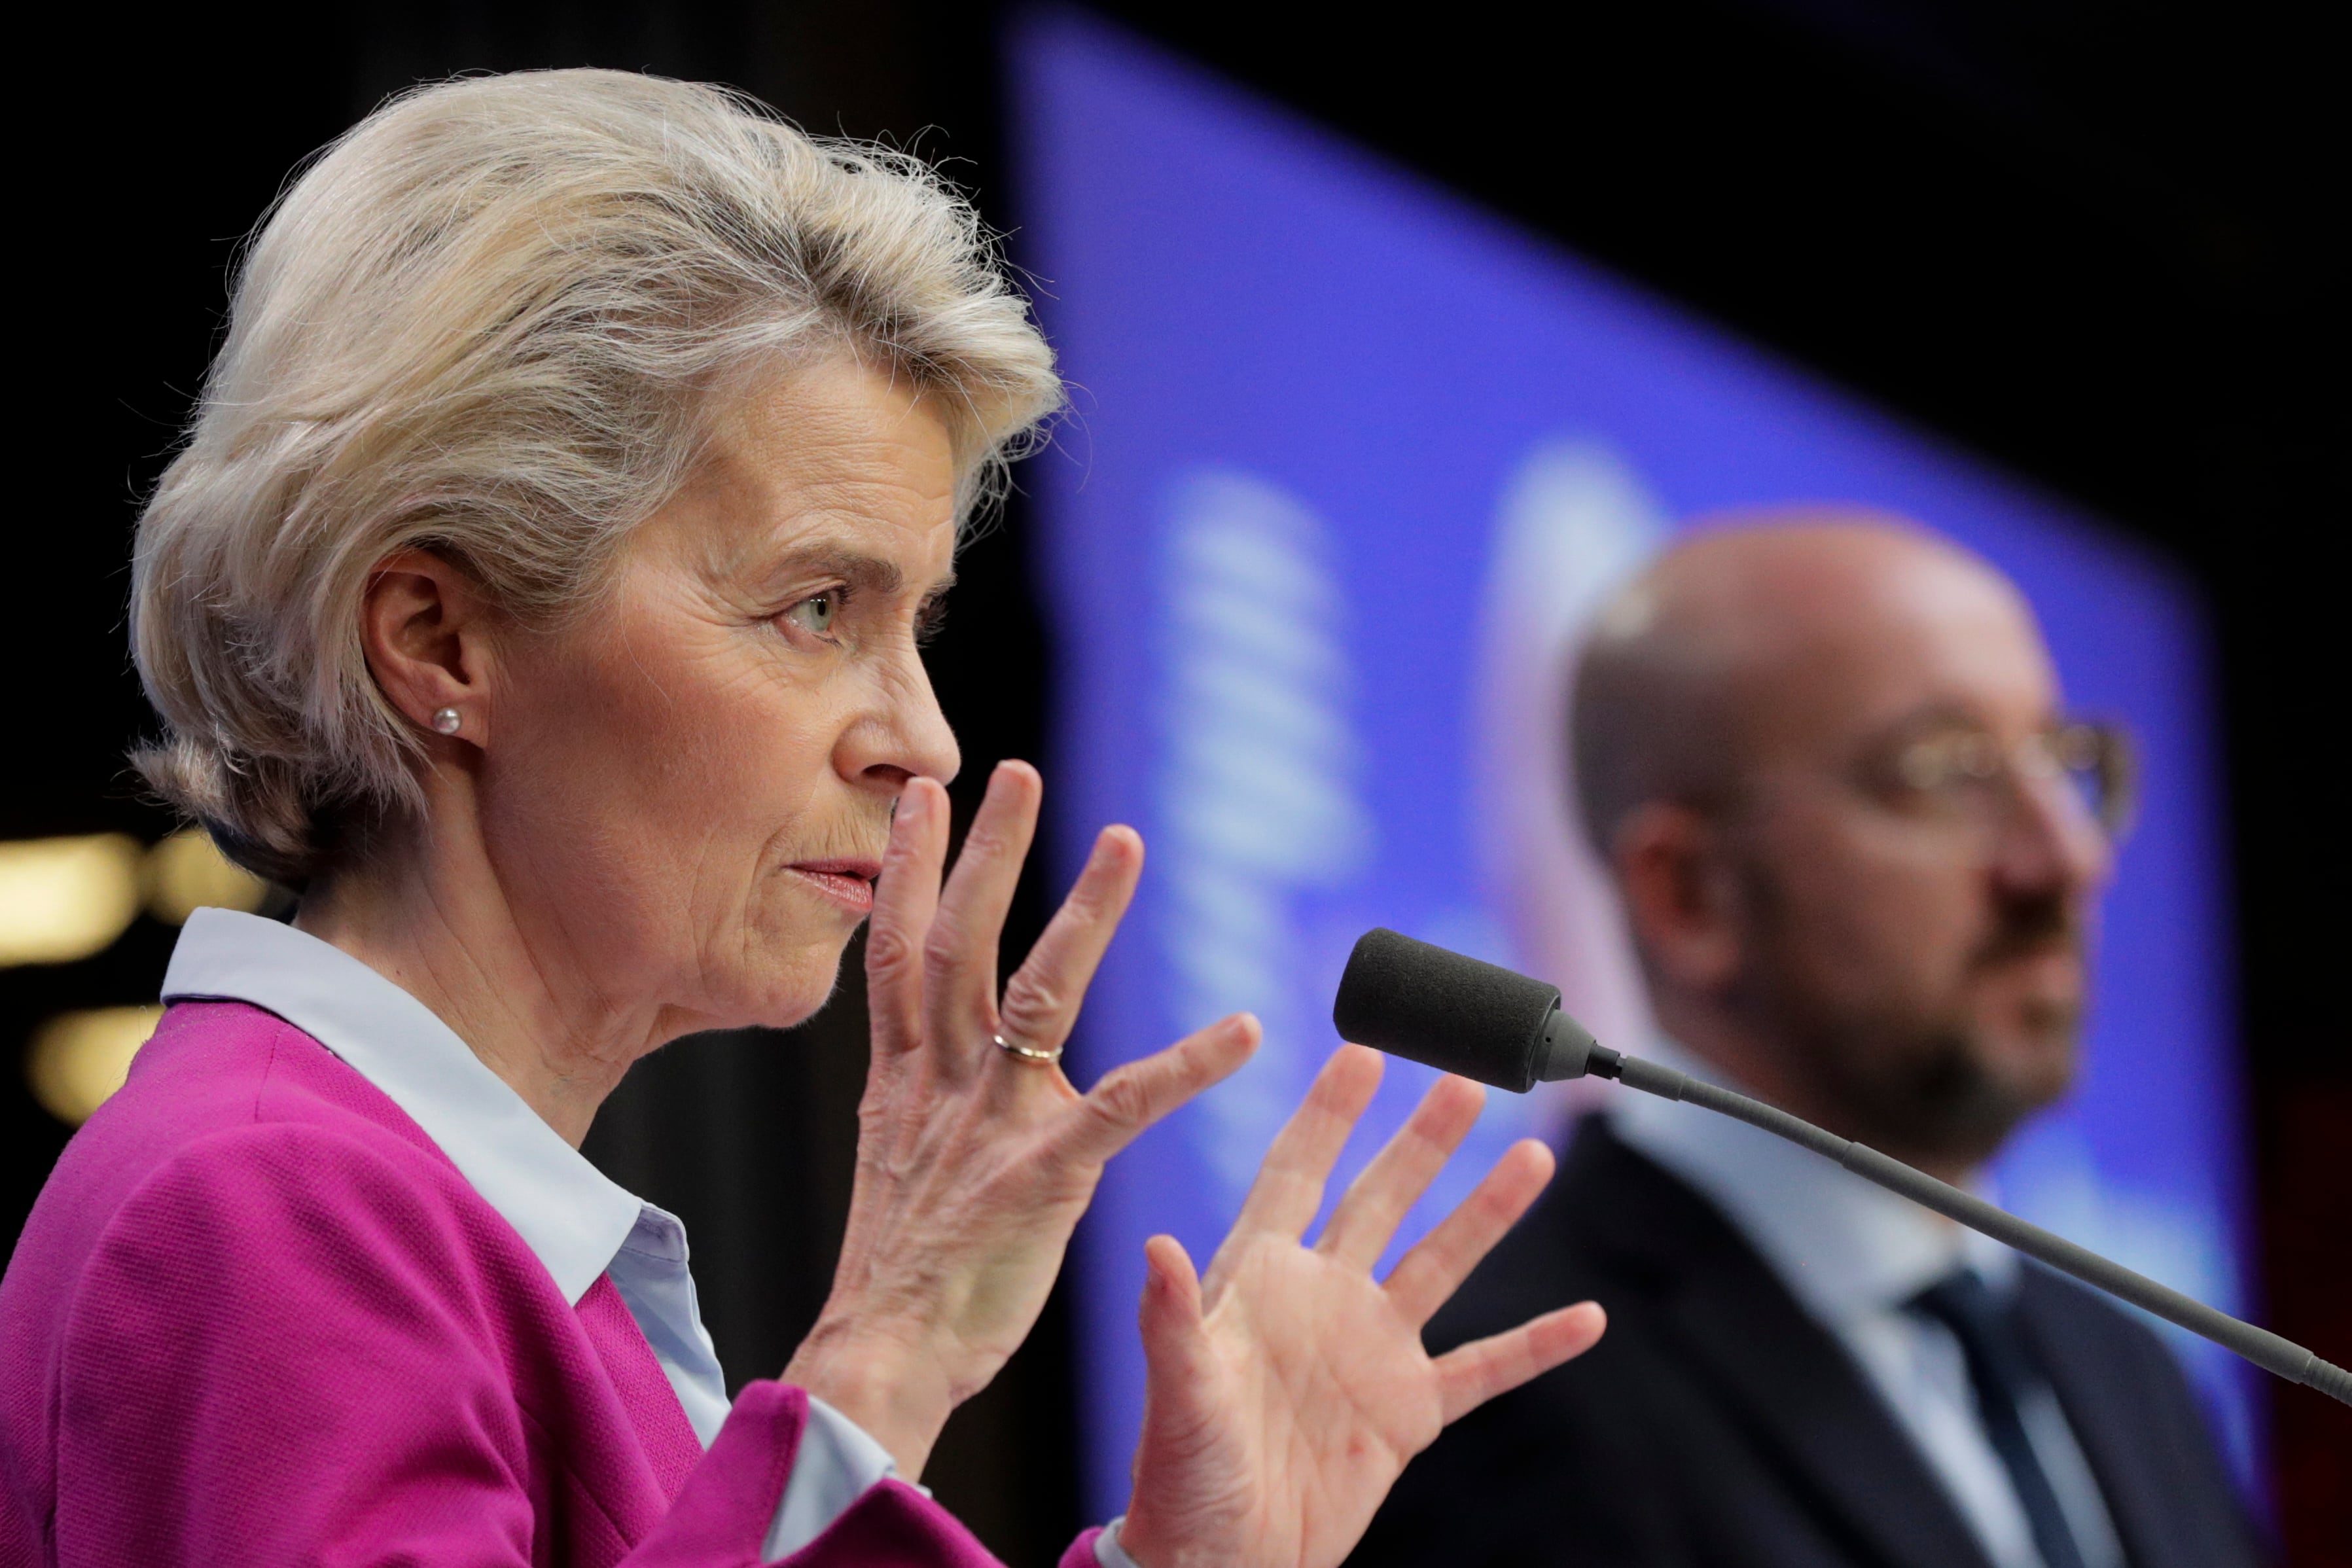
point(578, 1223)
point(1854, 1255)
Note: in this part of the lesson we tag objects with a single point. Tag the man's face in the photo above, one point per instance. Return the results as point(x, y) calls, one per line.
point(1917, 904)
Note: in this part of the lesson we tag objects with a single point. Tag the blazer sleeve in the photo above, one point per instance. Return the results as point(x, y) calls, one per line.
point(283, 1350)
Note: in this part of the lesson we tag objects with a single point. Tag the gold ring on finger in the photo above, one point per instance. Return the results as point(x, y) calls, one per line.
point(1029, 1054)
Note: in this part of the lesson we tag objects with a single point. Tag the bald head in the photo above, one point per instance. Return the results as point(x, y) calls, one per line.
point(1821, 906)
point(1759, 634)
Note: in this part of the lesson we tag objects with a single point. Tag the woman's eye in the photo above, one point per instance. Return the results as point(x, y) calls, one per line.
point(816, 612)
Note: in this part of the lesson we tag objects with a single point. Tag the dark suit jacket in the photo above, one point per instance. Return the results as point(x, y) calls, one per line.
point(1716, 1426)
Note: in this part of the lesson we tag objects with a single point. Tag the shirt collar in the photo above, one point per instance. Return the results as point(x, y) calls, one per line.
point(568, 1213)
point(1844, 1245)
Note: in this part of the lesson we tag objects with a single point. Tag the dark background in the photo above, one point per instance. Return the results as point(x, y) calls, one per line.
point(2090, 240)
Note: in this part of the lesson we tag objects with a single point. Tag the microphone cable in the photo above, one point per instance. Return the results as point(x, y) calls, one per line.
point(1462, 1015)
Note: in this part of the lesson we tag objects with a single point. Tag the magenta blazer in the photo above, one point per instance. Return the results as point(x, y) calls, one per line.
point(258, 1317)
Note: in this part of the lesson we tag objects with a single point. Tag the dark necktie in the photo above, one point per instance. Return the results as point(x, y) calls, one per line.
point(2003, 1371)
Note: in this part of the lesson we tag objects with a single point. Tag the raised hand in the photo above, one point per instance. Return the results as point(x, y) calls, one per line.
point(1287, 1390)
point(972, 1163)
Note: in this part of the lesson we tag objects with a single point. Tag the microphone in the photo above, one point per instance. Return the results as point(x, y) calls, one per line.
point(1481, 1021)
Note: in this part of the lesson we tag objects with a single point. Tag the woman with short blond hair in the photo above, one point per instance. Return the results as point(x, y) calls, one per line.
point(539, 593)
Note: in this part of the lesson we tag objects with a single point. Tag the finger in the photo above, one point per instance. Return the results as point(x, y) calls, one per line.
point(1476, 1373)
point(959, 958)
point(1289, 1185)
point(1180, 1371)
point(1126, 1100)
point(1042, 999)
point(1170, 1315)
point(1435, 1268)
point(906, 896)
point(1377, 1201)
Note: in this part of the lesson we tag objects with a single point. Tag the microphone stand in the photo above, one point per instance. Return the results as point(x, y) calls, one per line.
point(2264, 1349)
point(1463, 1014)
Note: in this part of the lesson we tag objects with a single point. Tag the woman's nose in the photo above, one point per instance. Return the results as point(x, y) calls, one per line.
point(904, 735)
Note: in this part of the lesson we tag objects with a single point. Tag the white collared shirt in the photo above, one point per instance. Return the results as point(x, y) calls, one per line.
point(1854, 1254)
point(575, 1220)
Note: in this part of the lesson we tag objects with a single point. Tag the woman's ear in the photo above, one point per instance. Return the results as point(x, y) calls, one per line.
point(426, 629)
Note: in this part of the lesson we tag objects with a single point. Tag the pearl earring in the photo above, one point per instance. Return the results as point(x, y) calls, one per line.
point(447, 720)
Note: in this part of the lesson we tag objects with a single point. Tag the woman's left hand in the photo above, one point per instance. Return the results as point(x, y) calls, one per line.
point(975, 1164)
point(1288, 1389)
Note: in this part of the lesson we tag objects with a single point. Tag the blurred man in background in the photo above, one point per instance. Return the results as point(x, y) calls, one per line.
point(1860, 847)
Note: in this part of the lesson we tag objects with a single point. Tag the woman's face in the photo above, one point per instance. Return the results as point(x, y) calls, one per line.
point(691, 788)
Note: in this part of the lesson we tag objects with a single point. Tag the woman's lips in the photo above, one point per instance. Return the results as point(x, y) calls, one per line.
point(849, 883)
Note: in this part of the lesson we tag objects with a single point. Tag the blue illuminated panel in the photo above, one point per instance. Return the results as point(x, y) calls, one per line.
point(1349, 462)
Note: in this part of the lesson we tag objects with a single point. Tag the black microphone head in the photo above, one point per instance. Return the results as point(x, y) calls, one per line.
point(1451, 1012)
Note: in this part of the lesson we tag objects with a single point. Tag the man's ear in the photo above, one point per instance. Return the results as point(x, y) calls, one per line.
point(426, 629)
point(1681, 892)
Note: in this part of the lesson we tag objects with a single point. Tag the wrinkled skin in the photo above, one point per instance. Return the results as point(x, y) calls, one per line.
point(673, 813)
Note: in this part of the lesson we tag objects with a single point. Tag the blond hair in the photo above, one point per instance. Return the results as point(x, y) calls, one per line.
point(489, 322)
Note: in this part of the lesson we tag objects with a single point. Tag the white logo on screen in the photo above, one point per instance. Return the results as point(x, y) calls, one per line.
point(1257, 786)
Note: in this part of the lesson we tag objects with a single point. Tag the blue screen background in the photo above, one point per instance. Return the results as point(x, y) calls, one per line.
point(1346, 458)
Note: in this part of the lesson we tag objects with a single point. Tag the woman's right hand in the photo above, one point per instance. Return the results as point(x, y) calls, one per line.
point(974, 1165)
point(1288, 1389)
